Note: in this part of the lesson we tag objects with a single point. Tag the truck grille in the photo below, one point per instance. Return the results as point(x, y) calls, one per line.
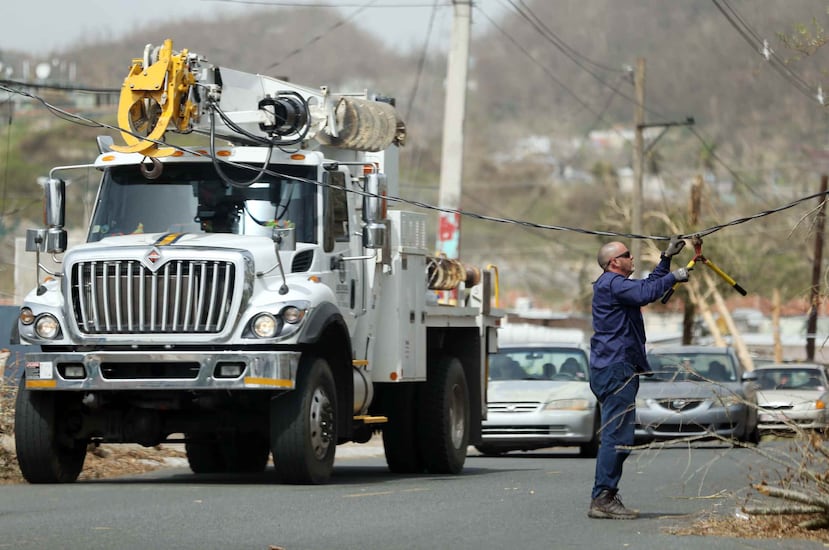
point(125, 297)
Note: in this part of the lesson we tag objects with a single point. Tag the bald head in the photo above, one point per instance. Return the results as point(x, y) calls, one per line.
point(608, 252)
point(617, 258)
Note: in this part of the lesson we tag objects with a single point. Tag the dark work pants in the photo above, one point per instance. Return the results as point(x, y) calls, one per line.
point(615, 387)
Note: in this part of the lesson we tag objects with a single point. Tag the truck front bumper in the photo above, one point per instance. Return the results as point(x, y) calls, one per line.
point(125, 370)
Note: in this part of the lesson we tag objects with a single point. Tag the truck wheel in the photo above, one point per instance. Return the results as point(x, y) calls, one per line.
point(443, 426)
point(400, 443)
point(204, 456)
point(304, 425)
point(45, 453)
point(245, 453)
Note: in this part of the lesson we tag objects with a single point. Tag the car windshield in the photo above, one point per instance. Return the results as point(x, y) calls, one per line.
point(806, 378)
point(192, 198)
point(672, 367)
point(538, 364)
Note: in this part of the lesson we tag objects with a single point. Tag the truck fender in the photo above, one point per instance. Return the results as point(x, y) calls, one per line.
point(318, 322)
point(326, 333)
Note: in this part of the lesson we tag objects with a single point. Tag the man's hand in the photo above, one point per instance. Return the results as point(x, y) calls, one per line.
point(681, 274)
point(674, 247)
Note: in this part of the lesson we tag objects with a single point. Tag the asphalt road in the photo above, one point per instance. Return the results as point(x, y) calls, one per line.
point(521, 501)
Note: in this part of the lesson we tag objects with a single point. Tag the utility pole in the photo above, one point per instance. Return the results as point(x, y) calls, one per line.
point(817, 263)
point(451, 164)
point(638, 156)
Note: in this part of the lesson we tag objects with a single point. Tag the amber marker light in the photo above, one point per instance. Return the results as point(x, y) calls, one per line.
point(223, 153)
point(108, 158)
point(297, 156)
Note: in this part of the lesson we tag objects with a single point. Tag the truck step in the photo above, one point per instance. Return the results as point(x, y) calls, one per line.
point(367, 419)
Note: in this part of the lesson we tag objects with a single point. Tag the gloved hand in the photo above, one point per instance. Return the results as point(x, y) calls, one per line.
point(674, 247)
point(681, 274)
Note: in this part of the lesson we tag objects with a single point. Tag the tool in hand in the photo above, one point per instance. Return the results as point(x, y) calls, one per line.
point(698, 257)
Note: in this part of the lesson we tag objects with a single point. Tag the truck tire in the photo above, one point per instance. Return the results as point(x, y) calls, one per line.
point(304, 425)
point(443, 424)
point(227, 453)
point(45, 455)
point(204, 456)
point(245, 453)
point(400, 443)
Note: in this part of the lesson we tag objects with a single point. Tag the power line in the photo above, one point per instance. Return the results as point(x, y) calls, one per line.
point(566, 49)
point(323, 34)
point(761, 46)
point(426, 206)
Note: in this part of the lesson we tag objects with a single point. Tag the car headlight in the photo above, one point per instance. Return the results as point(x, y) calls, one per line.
point(568, 405)
point(47, 327)
point(730, 400)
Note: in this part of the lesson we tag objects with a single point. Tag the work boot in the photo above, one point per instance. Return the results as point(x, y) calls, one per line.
point(608, 505)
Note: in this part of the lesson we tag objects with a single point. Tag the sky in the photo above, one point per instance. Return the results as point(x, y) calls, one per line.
point(44, 26)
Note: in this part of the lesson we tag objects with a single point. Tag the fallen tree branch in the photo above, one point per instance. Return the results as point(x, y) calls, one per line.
point(782, 510)
point(796, 496)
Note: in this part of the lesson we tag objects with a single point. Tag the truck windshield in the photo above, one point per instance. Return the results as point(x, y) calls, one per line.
point(192, 198)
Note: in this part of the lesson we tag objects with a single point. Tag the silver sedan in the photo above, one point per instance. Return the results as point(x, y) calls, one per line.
point(538, 396)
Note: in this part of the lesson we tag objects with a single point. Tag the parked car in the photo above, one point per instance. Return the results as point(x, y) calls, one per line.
point(696, 392)
point(792, 396)
point(538, 395)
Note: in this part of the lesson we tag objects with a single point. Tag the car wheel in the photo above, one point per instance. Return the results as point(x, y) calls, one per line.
point(591, 448)
point(489, 450)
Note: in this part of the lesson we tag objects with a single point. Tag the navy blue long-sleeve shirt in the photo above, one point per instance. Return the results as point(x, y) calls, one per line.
point(618, 327)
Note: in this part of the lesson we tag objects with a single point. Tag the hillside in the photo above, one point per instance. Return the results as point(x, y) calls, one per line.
point(553, 79)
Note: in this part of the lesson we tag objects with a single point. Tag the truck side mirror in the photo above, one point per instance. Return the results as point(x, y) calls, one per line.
point(375, 211)
point(54, 216)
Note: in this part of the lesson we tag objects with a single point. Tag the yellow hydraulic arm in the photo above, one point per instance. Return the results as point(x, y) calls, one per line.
point(154, 95)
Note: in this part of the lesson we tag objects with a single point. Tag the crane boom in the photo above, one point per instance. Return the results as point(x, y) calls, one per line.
point(181, 92)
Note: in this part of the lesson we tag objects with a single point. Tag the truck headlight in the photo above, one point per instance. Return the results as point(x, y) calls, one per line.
point(265, 325)
point(292, 315)
point(27, 316)
point(47, 327)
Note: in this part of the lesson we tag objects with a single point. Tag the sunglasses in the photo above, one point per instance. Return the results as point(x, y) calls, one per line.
point(622, 255)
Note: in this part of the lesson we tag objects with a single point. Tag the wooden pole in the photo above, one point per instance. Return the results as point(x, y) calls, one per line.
point(817, 268)
point(775, 326)
point(638, 156)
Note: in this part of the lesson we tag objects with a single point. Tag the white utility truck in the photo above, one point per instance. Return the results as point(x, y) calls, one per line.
point(253, 297)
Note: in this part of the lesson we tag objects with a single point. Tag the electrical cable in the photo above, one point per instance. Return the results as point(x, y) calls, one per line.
point(316, 38)
point(421, 62)
point(753, 39)
point(553, 77)
point(8, 159)
point(474, 215)
point(213, 157)
point(565, 48)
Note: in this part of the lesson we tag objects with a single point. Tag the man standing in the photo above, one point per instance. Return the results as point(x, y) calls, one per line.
point(617, 355)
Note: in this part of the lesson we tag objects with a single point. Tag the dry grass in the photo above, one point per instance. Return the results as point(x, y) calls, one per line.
point(753, 527)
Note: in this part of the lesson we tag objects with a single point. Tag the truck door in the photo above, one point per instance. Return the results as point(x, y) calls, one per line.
point(342, 240)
